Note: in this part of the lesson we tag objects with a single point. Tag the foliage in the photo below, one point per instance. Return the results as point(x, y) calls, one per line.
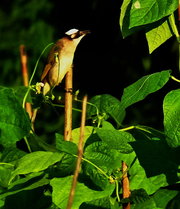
point(42, 177)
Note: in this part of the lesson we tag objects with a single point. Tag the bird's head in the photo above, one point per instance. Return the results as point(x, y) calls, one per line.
point(76, 35)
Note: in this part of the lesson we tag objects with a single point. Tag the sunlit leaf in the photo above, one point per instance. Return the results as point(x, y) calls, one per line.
point(171, 107)
point(148, 11)
point(36, 161)
point(158, 35)
point(88, 130)
point(116, 139)
point(143, 87)
point(61, 188)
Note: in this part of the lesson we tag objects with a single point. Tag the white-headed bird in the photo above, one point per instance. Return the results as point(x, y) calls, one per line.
point(60, 59)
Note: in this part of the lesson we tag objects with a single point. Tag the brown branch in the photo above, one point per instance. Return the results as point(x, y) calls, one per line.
point(68, 105)
point(80, 154)
point(125, 186)
point(24, 70)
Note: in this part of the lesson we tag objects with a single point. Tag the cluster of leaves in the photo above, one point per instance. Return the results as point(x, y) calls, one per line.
point(152, 156)
point(42, 178)
point(154, 17)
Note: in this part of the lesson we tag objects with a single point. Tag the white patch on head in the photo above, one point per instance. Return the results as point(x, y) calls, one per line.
point(137, 5)
point(72, 31)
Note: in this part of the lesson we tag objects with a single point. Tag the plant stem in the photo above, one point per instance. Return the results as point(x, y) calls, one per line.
point(127, 129)
point(24, 69)
point(125, 186)
point(117, 190)
point(68, 105)
point(32, 76)
point(80, 154)
point(173, 26)
point(175, 79)
point(75, 109)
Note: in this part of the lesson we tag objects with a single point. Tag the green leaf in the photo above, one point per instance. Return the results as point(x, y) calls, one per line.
point(97, 177)
point(66, 146)
point(61, 188)
point(108, 106)
point(138, 196)
point(163, 196)
point(149, 11)
point(103, 156)
point(36, 161)
point(88, 130)
point(20, 92)
point(171, 108)
point(155, 157)
point(14, 122)
point(159, 200)
point(143, 87)
point(12, 154)
point(30, 182)
point(95, 204)
point(5, 175)
point(125, 18)
point(139, 180)
point(116, 139)
point(158, 35)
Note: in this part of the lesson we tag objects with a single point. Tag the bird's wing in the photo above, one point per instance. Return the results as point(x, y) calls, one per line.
point(45, 71)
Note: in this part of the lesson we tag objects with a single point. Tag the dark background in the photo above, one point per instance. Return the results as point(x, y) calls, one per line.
point(104, 62)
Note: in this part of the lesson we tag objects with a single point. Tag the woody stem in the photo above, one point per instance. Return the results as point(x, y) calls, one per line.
point(68, 105)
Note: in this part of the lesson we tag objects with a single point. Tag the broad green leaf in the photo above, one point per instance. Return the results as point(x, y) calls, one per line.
point(163, 196)
point(14, 122)
point(116, 139)
point(61, 188)
point(143, 87)
point(106, 106)
point(158, 35)
point(36, 161)
point(12, 154)
point(1, 203)
point(20, 92)
point(66, 146)
point(28, 183)
point(125, 18)
point(139, 180)
point(68, 162)
point(137, 196)
point(97, 176)
point(102, 155)
point(171, 108)
point(99, 203)
point(149, 11)
point(5, 175)
point(156, 158)
point(88, 130)
point(66, 166)
point(159, 200)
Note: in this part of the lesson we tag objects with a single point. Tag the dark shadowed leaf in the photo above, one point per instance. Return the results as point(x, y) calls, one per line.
point(14, 122)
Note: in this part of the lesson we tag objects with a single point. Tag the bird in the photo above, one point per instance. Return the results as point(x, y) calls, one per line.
point(60, 59)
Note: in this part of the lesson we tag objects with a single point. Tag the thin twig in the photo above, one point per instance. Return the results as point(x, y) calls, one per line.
point(80, 154)
point(25, 76)
point(125, 185)
point(68, 105)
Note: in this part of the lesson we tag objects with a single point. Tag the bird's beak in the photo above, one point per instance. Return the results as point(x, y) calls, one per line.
point(84, 32)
